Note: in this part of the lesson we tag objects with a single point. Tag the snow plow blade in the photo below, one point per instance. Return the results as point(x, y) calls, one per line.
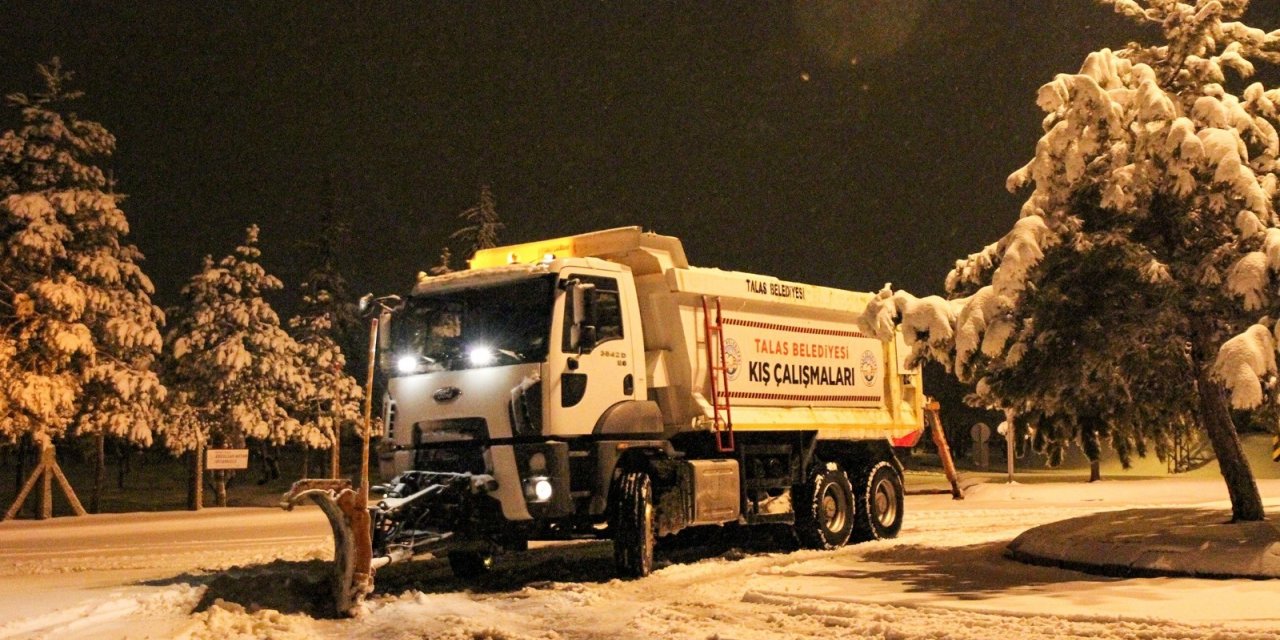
point(348, 515)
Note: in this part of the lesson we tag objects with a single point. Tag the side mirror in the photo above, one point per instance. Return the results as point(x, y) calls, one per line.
point(382, 308)
point(384, 336)
point(369, 305)
point(582, 298)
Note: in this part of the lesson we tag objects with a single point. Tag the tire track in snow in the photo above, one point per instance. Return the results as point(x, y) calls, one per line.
point(909, 622)
point(91, 618)
point(720, 598)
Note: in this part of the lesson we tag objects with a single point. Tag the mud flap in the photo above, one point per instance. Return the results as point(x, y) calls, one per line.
point(348, 514)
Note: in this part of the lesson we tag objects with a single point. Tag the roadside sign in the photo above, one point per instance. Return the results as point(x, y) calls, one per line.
point(227, 459)
point(980, 432)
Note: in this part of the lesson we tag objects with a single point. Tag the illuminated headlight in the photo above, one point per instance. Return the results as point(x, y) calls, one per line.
point(407, 364)
point(481, 356)
point(538, 489)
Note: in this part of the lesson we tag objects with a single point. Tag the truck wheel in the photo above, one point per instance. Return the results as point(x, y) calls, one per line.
point(824, 508)
point(468, 565)
point(633, 530)
point(879, 503)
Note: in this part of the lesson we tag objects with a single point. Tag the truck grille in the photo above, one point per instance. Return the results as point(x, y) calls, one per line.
point(451, 445)
point(449, 430)
point(457, 458)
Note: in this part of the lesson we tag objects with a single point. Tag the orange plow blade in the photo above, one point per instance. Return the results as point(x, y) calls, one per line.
point(348, 515)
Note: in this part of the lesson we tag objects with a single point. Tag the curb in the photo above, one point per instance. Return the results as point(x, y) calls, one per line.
point(1119, 570)
point(1147, 543)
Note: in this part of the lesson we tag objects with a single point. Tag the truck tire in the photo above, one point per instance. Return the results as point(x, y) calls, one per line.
point(468, 565)
point(633, 527)
point(879, 503)
point(824, 508)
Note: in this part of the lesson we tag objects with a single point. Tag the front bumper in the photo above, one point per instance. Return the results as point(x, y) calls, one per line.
point(452, 506)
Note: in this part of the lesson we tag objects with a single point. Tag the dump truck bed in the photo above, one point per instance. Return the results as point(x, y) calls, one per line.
point(794, 356)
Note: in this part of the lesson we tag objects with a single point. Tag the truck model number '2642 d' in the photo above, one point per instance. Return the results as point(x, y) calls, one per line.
point(599, 386)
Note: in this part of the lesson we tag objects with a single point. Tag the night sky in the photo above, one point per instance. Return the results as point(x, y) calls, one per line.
point(837, 143)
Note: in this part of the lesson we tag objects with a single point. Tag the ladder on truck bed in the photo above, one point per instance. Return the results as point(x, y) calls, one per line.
point(718, 370)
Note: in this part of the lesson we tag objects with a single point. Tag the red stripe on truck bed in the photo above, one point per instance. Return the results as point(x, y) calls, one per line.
point(783, 327)
point(798, 396)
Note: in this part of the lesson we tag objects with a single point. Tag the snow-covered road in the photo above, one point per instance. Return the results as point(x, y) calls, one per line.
point(255, 573)
point(136, 574)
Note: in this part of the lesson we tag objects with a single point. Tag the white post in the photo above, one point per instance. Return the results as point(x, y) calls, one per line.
point(1008, 438)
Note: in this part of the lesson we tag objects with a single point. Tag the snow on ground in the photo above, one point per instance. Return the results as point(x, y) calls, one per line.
point(247, 573)
point(137, 574)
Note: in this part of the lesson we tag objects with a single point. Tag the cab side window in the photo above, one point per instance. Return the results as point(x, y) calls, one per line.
point(608, 310)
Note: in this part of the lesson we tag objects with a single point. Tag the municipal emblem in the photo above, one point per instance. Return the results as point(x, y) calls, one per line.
point(732, 358)
point(868, 366)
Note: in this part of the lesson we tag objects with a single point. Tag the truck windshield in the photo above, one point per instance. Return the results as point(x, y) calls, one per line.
point(488, 326)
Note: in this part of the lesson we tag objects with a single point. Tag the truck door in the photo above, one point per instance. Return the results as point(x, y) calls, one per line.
point(587, 381)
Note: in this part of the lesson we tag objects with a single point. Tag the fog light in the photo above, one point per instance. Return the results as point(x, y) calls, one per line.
point(542, 490)
point(538, 489)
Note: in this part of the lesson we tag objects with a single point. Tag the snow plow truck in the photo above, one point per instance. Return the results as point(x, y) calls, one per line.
point(598, 386)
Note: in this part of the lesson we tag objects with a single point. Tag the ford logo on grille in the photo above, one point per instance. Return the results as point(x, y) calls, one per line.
point(445, 394)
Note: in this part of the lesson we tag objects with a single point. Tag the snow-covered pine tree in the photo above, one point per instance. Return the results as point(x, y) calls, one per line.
point(232, 370)
point(334, 404)
point(1137, 288)
point(324, 252)
point(80, 334)
point(484, 225)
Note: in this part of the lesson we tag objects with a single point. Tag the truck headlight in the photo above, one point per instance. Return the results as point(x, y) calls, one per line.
point(481, 356)
point(407, 364)
point(538, 489)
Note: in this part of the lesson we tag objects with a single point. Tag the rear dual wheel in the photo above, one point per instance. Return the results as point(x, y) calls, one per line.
point(832, 510)
point(879, 503)
point(825, 508)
